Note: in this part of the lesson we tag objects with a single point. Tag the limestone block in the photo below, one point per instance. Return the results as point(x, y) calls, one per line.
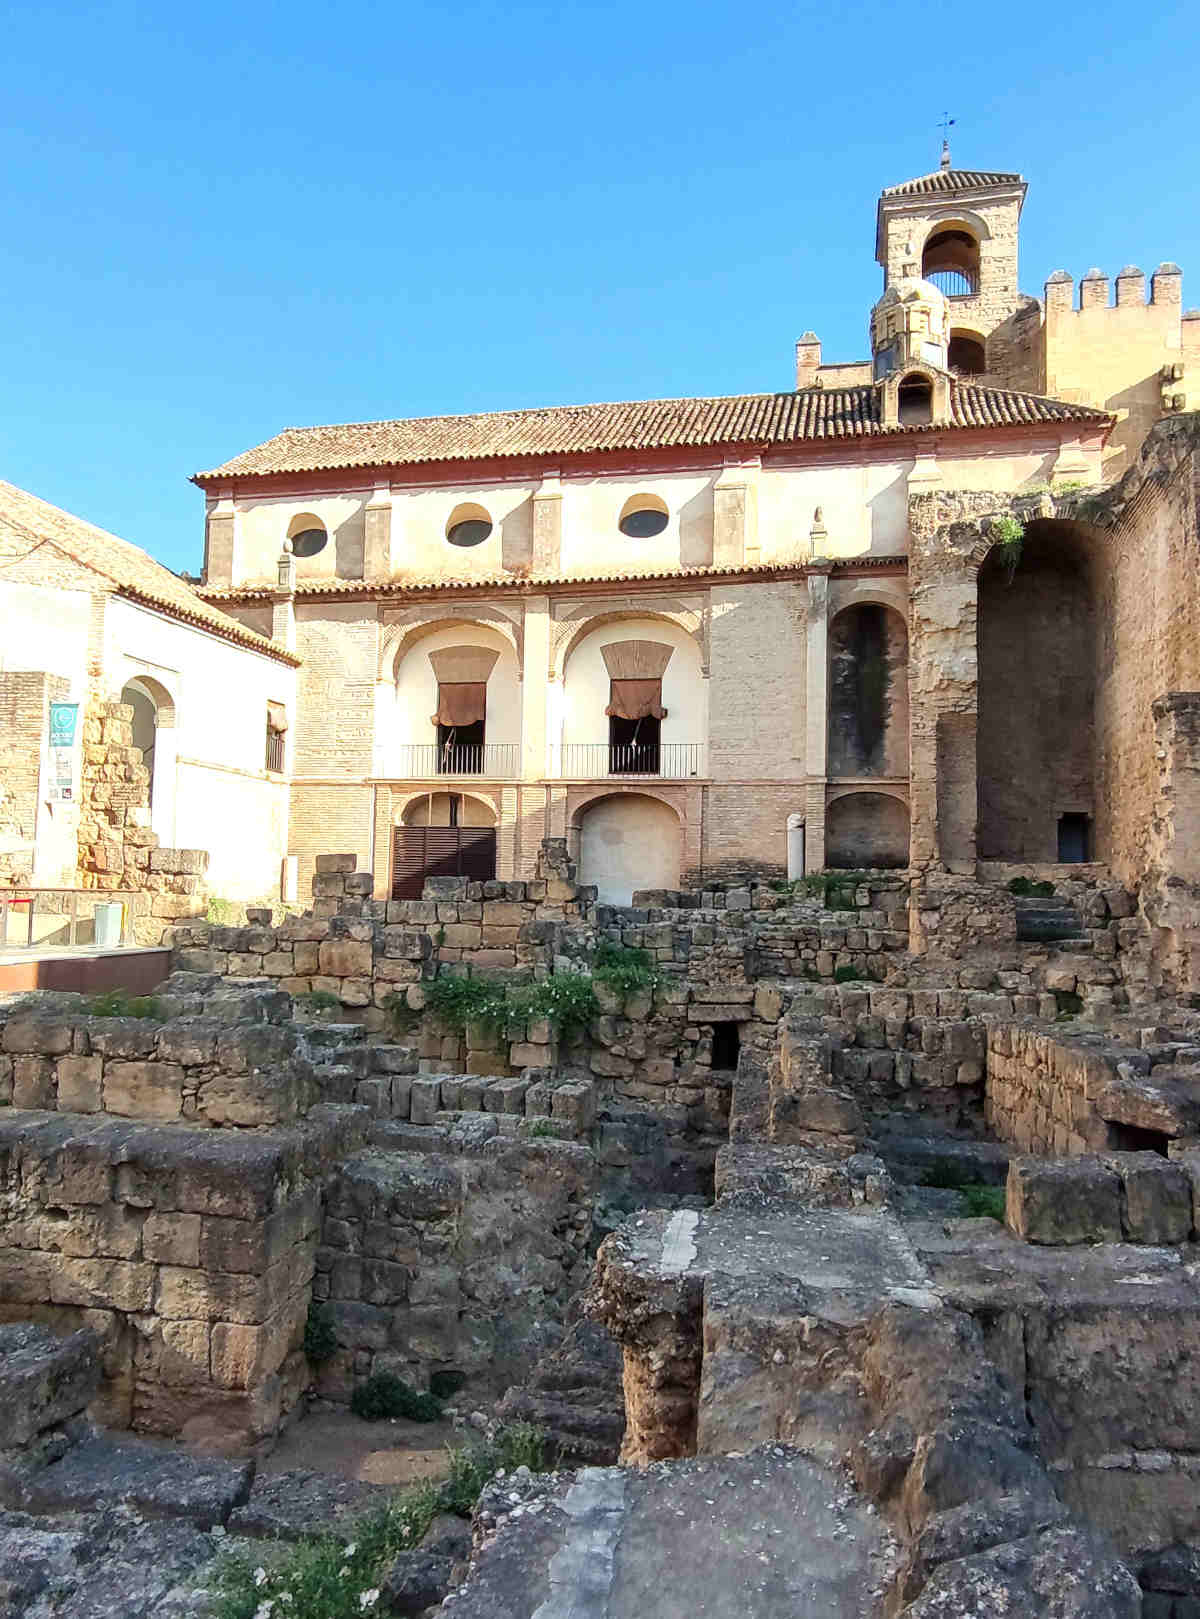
point(424, 1100)
point(143, 1090)
point(171, 1239)
point(44, 1380)
point(241, 1356)
point(345, 958)
point(189, 1041)
point(33, 1082)
point(1063, 1200)
point(123, 1037)
point(25, 1032)
point(343, 863)
point(115, 1284)
point(575, 1103)
point(1158, 1197)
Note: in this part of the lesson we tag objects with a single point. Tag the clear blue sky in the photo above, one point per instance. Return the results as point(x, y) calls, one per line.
point(219, 220)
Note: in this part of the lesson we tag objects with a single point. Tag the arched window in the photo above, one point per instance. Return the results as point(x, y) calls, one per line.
point(468, 525)
point(642, 517)
point(915, 401)
point(308, 535)
point(951, 262)
point(966, 354)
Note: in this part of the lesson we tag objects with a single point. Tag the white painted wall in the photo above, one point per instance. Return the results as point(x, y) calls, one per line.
point(578, 701)
point(261, 525)
point(45, 628)
point(420, 549)
point(224, 801)
point(403, 711)
point(627, 842)
point(592, 542)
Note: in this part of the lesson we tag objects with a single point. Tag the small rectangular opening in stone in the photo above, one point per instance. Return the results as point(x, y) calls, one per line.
point(1074, 839)
point(1134, 1138)
point(726, 1044)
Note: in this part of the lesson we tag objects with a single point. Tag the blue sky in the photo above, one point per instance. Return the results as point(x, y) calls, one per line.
point(221, 220)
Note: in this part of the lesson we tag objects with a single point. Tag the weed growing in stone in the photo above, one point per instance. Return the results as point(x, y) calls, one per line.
point(1009, 536)
point(1023, 887)
point(218, 910)
point(847, 975)
point(335, 1579)
point(385, 1395)
point(320, 1338)
point(625, 969)
point(120, 1003)
point(983, 1200)
point(317, 1000)
point(400, 1014)
point(567, 1001)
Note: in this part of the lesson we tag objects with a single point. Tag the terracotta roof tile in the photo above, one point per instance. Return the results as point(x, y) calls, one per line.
point(30, 522)
point(951, 180)
point(810, 415)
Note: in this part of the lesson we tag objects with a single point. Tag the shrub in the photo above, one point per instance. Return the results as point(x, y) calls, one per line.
point(983, 1200)
point(445, 1384)
point(625, 969)
point(566, 1001)
point(847, 975)
point(1008, 533)
point(334, 1579)
point(318, 1000)
point(320, 1339)
point(457, 1001)
point(1068, 1005)
point(385, 1395)
point(541, 1127)
point(120, 1003)
point(1022, 886)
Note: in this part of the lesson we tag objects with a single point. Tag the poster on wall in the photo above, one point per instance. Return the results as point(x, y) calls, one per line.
point(64, 720)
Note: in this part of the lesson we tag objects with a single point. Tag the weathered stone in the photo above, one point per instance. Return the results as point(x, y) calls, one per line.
point(1065, 1200)
point(160, 1483)
point(44, 1380)
point(299, 1505)
point(143, 1090)
point(416, 1580)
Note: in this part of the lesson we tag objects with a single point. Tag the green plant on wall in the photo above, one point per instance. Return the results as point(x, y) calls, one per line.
point(565, 1000)
point(1008, 535)
point(625, 968)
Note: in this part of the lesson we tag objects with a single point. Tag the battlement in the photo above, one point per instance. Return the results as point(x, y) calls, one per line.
point(1166, 290)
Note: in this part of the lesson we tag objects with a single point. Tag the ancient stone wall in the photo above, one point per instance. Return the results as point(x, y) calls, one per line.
point(437, 1263)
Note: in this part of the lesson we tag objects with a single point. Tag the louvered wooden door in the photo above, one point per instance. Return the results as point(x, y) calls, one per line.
point(441, 851)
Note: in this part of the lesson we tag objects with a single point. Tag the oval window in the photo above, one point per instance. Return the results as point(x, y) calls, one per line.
point(643, 523)
point(471, 532)
point(308, 542)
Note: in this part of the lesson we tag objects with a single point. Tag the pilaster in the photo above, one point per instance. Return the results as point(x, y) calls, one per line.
point(547, 524)
point(536, 688)
point(735, 515)
point(816, 713)
point(377, 537)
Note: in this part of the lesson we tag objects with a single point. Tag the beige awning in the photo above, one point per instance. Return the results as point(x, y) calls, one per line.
point(276, 717)
point(636, 660)
point(636, 700)
point(461, 703)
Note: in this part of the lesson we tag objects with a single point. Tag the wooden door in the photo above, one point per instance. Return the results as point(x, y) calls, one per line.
point(441, 851)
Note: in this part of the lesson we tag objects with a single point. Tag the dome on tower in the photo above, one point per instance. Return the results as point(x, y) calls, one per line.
point(910, 325)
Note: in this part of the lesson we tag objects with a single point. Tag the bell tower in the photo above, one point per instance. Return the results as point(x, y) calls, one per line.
point(956, 229)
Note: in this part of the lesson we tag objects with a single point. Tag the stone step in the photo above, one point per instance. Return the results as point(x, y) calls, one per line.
point(574, 1393)
point(158, 1481)
point(1046, 919)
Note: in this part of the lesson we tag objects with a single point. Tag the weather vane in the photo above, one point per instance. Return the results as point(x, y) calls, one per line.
point(945, 126)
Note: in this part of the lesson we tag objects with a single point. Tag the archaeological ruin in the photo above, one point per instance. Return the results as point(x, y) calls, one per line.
point(669, 931)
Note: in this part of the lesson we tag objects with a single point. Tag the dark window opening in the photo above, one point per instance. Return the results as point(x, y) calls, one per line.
point(460, 749)
point(966, 355)
point(1074, 839)
point(643, 523)
point(1134, 1138)
point(633, 746)
point(309, 542)
point(472, 531)
point(915, 402)
point(726, 1045)
point(455, 807)
point(276, 730)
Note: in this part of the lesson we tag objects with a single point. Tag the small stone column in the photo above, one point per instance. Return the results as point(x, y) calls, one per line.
point(548, 524)
point(283, 603)
point(816, 714)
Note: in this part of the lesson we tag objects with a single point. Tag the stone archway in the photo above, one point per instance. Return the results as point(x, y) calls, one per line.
point(626, 842)
point(154, 737)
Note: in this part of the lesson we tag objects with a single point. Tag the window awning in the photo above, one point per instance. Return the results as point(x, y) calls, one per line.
point(461, 703)
point(276, 717)
point(636, 700)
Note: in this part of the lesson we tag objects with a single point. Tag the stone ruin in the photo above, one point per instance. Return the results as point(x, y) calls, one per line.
point(863, 1246)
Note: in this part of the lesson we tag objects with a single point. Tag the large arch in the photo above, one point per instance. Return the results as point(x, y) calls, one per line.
point(154, 737)
point(582, 622)
point(409, 703)
point(447, 809)
point(868, 690)
point(866, 831)
point(626, 842)
point(1037, 683)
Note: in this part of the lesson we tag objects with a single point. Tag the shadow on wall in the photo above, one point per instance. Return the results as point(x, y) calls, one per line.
point(868, 692)
point(866, 831)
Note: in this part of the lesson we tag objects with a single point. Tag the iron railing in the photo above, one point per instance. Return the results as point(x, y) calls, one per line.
point(422, 760)
point(63, 918)
point(670, 761)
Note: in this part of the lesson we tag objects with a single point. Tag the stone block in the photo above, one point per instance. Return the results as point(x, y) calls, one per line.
point(189, 1041)
point(26, 1032)
point(1157, 1198)
point(44, 1379)
point(345, 958)
point(1060, 1201)
point(575, 1104)
point(171, 1239)
point(126, 1037)
point(424, 1100)
point(79, 1084)
point(33, 1082)
point(157, 1482)
point(143, 1090)
point(343, 863)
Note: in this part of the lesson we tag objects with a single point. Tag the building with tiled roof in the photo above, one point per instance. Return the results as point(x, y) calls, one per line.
point(670, 629)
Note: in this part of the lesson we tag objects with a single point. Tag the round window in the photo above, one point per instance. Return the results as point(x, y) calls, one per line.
point(473, 531)
point(643, 523)
point(308, 542)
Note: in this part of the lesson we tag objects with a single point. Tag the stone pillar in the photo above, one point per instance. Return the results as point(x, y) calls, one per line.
point(735, 515)
point(547, 525)
point(377, 535)
point(219, 542)
point(536, 688)
point(283, 603)
point(816, 714)
point(1171, 891)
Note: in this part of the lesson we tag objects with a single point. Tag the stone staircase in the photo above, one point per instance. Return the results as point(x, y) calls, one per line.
point(1049, 919)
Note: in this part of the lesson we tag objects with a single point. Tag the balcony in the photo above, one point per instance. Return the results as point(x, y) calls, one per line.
point(424, 761)
point(666, 761)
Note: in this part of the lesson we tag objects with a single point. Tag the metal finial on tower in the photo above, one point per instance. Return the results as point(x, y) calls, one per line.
point(945, 126)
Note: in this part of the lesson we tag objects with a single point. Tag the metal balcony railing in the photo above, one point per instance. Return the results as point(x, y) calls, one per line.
point(423, 760)
point(670, 761)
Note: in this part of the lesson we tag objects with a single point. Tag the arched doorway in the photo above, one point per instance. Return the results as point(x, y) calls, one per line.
point(1037, 696)
point(628, 841)
point(866, 831)
point(443, 835)
point(154, 737)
